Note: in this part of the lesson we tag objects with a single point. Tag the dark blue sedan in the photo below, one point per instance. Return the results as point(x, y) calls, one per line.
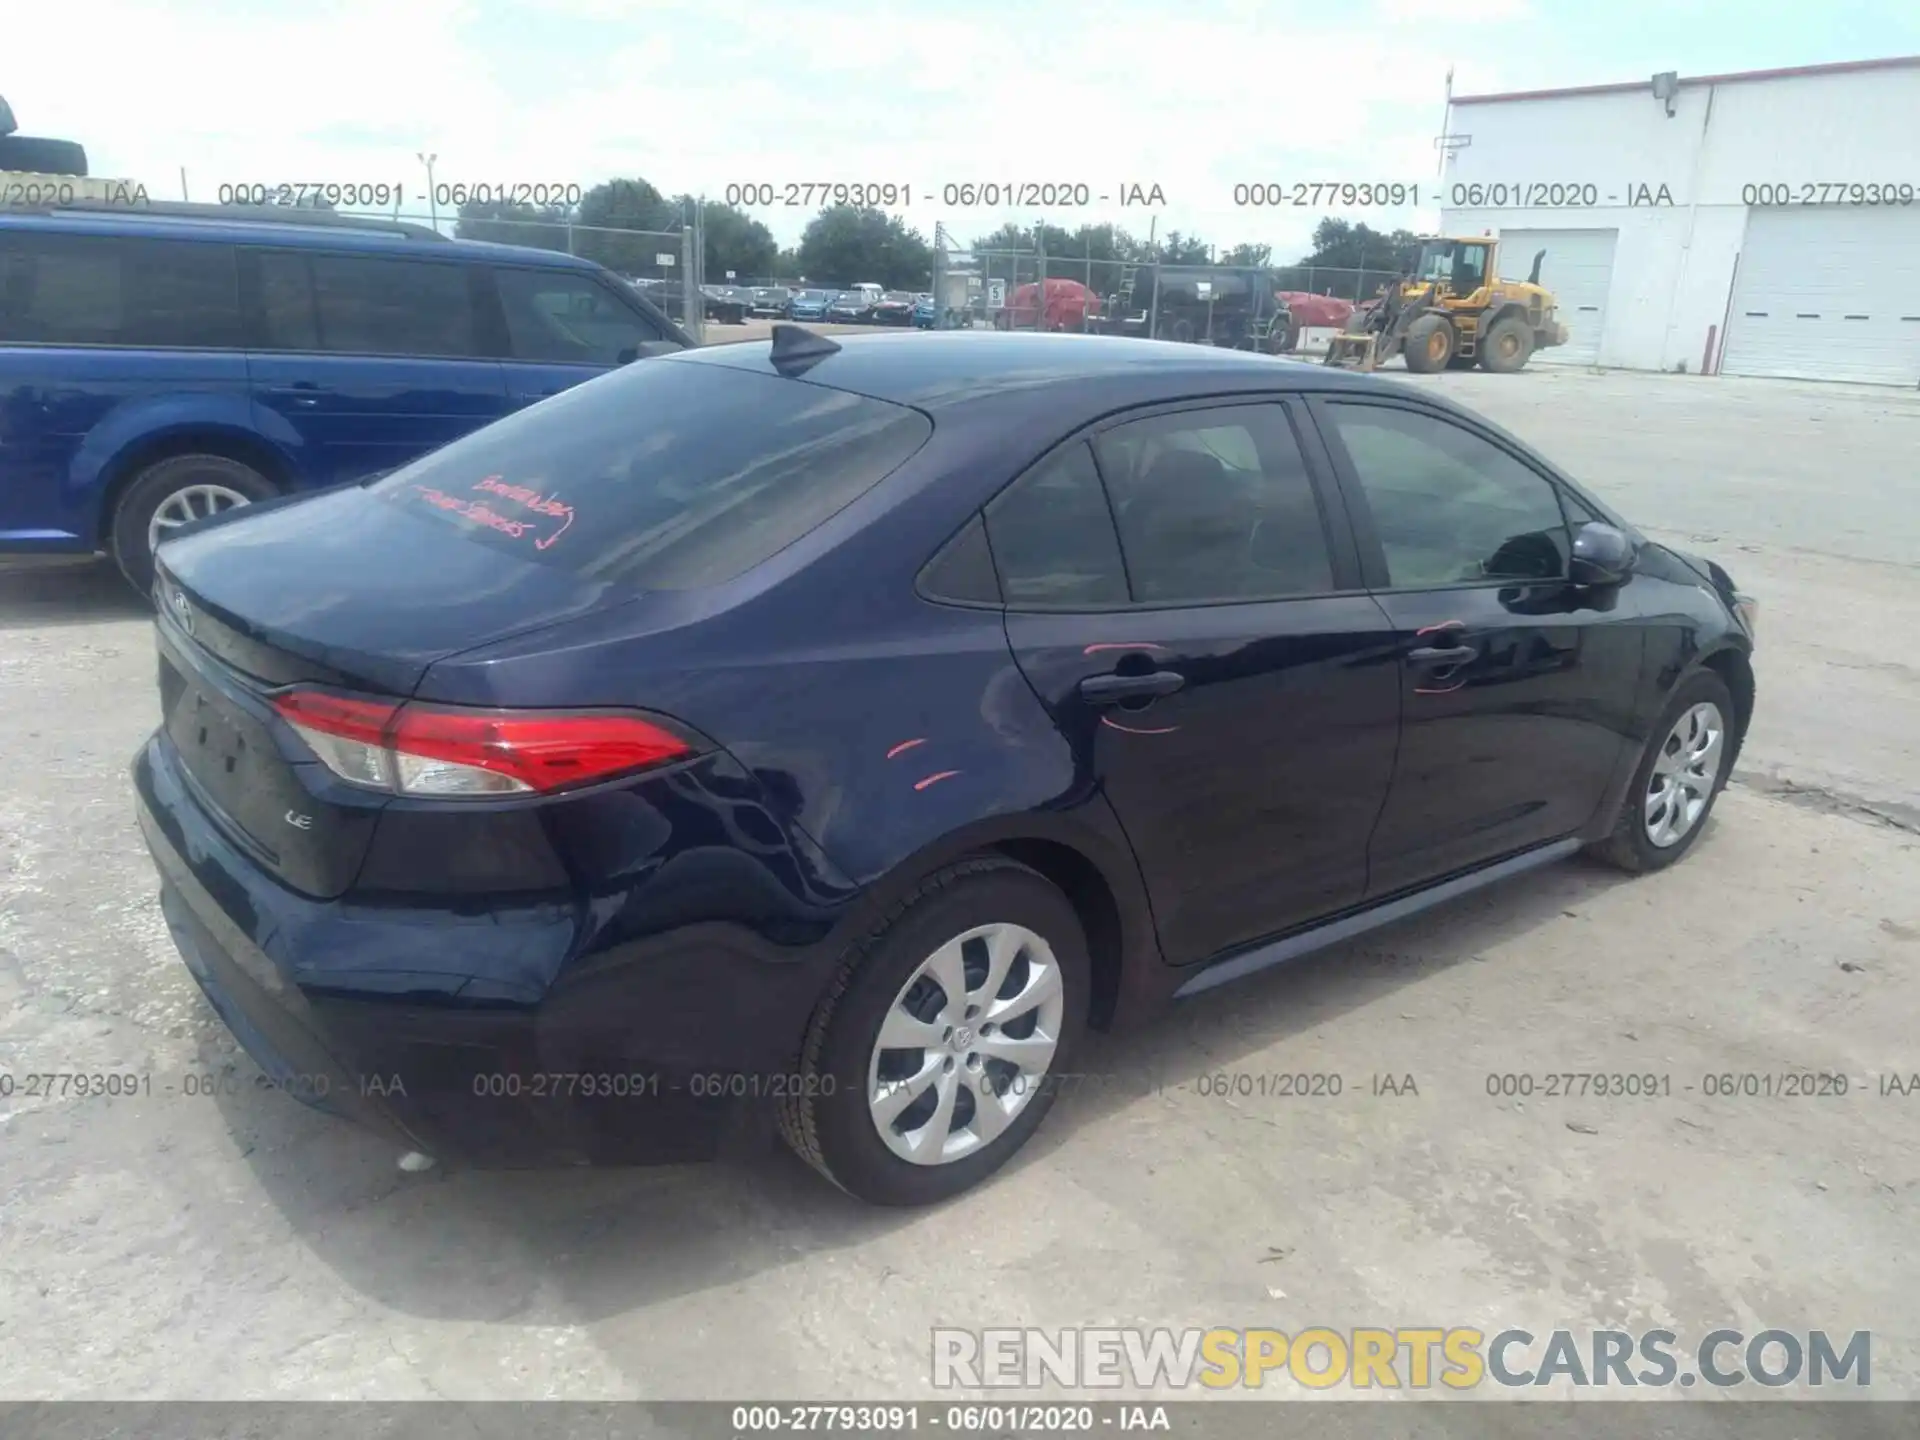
point(826, 735)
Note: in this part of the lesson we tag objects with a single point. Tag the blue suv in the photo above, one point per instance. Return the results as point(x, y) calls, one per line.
point(163, 364)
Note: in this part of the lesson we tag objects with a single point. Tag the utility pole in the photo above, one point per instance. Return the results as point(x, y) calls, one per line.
point(433, 203)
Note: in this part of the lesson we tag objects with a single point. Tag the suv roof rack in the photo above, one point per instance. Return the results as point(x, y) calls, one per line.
point(251, 214)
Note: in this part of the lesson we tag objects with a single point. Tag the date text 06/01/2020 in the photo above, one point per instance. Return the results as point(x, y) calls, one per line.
point(970, 1419)
point(1555, 194)
point(1532, 195)
point(385, 194)
point(989, 194)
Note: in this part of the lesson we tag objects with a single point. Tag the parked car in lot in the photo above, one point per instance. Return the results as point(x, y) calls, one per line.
point(895, 307)
point(811, 304)
point(774, 300)
point(852, 307)
point(163, 363)
point(728, 304)
point(829, 734)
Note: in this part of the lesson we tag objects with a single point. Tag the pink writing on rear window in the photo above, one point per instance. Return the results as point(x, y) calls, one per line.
point(534, 500)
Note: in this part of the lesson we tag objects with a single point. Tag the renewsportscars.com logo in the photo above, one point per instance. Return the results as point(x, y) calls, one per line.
point(1391, 1358)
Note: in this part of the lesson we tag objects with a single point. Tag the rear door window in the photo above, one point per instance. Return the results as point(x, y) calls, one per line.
point(570, 318)
point(1053, 538)
point(367, 305)
point(64, 289)
point(1215, 505)
point(666, 475)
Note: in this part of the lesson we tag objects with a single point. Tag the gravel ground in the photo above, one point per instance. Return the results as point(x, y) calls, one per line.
point(243, 1247)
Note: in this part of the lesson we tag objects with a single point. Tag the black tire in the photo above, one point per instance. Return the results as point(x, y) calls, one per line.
point(1628, 848)
point(1507, 347)
point(1181, 331)
point(157, 484)
point(38, 156)
point(827, 1121)
point(1428, 345)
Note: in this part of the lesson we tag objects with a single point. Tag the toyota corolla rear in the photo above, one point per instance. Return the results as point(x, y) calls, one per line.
point(447, 825)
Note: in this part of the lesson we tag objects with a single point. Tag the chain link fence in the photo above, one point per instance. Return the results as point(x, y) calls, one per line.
point(1208, 304)
point(1007, 289)
point(1357, 286)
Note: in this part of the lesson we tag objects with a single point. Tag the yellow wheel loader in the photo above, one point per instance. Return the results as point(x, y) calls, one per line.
point(1453, 310)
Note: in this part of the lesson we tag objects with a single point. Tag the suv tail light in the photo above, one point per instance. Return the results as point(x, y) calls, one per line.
point(430, 750)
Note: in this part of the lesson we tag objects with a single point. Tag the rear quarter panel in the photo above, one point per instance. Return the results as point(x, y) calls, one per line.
point(894, 732)
point(70, 417)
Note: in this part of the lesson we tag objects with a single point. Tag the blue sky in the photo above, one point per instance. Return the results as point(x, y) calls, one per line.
point(1193, 96)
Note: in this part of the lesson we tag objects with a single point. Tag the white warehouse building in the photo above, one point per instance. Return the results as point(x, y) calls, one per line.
point(1765, 223)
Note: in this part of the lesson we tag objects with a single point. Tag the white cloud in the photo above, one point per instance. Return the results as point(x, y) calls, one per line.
point(1455, 12)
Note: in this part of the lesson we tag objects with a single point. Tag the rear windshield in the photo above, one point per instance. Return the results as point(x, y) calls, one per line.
point(662, 476)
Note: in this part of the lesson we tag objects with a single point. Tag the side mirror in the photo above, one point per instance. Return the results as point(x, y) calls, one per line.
point(1602, 555)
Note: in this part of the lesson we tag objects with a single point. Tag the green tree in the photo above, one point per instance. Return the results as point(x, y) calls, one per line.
point(1008, 237)
point(1257, 256)
point(846, 245)
point(734, 240)
point(1095, 255)
point(1178, 249)
point(1342, 244)
point(633, 205)
point(541, 226)
point(630, 205)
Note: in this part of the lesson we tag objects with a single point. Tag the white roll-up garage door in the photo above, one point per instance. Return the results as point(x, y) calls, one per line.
point(1828, 292)
point(1579, 271)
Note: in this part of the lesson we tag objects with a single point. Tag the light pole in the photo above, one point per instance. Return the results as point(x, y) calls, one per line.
point(433, 204)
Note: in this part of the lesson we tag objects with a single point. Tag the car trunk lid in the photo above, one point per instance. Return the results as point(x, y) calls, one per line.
point(338, 591)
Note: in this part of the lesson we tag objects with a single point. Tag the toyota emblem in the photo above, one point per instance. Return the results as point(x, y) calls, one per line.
point(182, 609)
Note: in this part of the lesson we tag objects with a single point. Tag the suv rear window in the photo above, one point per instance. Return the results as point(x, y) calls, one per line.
point(662, 476)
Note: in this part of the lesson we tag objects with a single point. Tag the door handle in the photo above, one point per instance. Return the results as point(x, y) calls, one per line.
point(1112, 689)
point(1442, 655)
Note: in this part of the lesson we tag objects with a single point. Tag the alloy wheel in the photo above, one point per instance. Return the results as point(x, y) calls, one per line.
point(1684, 774)
point(190, 502)
point(966, 1044)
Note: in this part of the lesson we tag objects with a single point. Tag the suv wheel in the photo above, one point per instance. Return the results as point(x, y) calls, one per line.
point(938, 1049)
point(170, 493)
point(1682, 773)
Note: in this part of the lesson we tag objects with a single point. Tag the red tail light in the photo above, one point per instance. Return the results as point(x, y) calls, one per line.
point(433, 750)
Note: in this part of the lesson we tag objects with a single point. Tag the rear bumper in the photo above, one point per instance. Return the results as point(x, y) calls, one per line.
point(672, 1049)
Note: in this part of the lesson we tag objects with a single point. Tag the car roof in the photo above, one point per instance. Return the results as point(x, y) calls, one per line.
point(950, 369)
point(377, 237)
